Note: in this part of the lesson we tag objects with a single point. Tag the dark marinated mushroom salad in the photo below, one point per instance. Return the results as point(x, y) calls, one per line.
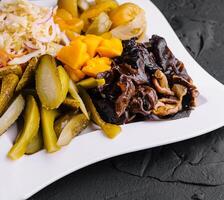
point(63, 67)
point(145, 82)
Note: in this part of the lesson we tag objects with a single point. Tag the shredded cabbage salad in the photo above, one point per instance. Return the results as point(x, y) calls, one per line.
point(27, 30)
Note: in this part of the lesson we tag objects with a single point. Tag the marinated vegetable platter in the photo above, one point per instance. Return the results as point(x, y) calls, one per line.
point(63, 67)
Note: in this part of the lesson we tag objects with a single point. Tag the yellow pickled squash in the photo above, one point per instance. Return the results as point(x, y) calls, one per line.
point(110, 47)
point(48, 84)
point(95, 10)
point(75, 74)
point(100, 25)
point(92, 42)
point(124, 14)
point(69, 5)
point(75, 55)
point(29, 131)
point(97, 65)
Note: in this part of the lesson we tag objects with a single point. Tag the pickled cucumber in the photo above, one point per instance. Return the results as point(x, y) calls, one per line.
point(14, 69)
point(35, 145)
point(91, 83)
point(9, 83)
point(27, 75)
point(64, 78)
point(74, 93)
point(71, 103)
point(100, 25)
point(11, 114)
point(30, 129)
point(73, 127)
point(111, 130)
point(48, 84)
point(60, 123)
point(47, 121)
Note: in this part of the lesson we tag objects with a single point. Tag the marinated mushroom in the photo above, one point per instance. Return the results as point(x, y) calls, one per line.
point(166, 107)
point(128, 90)
point(144, 100)
point(170, 106)
point(161, 86)
point(161, 83)
point(192, 90)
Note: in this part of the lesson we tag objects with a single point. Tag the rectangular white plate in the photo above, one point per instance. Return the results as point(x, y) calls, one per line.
point(21, 179)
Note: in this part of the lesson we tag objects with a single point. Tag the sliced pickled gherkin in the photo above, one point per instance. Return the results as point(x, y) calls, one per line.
point(11, 114)
point(71, 103)
point(47, 121)
point(111, 130)
point(27, 75)
point(73, 126)
point(100, 25)
point(91, 83)
point(64, 78)
point(30, 129)
point(74, 93)
point(14, 69)
point(48, 84)
point(35, 145)
point(60, 123)
point(9, 83)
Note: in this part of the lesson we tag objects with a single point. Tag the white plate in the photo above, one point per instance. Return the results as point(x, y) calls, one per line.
point(21, 179)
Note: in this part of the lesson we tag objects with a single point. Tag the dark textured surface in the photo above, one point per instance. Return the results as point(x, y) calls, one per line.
point(190, 170)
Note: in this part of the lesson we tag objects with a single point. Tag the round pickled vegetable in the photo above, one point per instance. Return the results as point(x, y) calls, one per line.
point(124, 14)
point(135, 28)
point(95, 10)
point(100, 25)
point(69, 5)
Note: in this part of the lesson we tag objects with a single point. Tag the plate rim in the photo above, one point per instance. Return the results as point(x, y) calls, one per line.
point(97, 136)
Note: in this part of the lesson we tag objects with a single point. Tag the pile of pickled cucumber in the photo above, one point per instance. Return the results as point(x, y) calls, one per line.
point(50, 107)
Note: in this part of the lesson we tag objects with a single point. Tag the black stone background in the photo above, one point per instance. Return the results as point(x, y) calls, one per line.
point(189, 170)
